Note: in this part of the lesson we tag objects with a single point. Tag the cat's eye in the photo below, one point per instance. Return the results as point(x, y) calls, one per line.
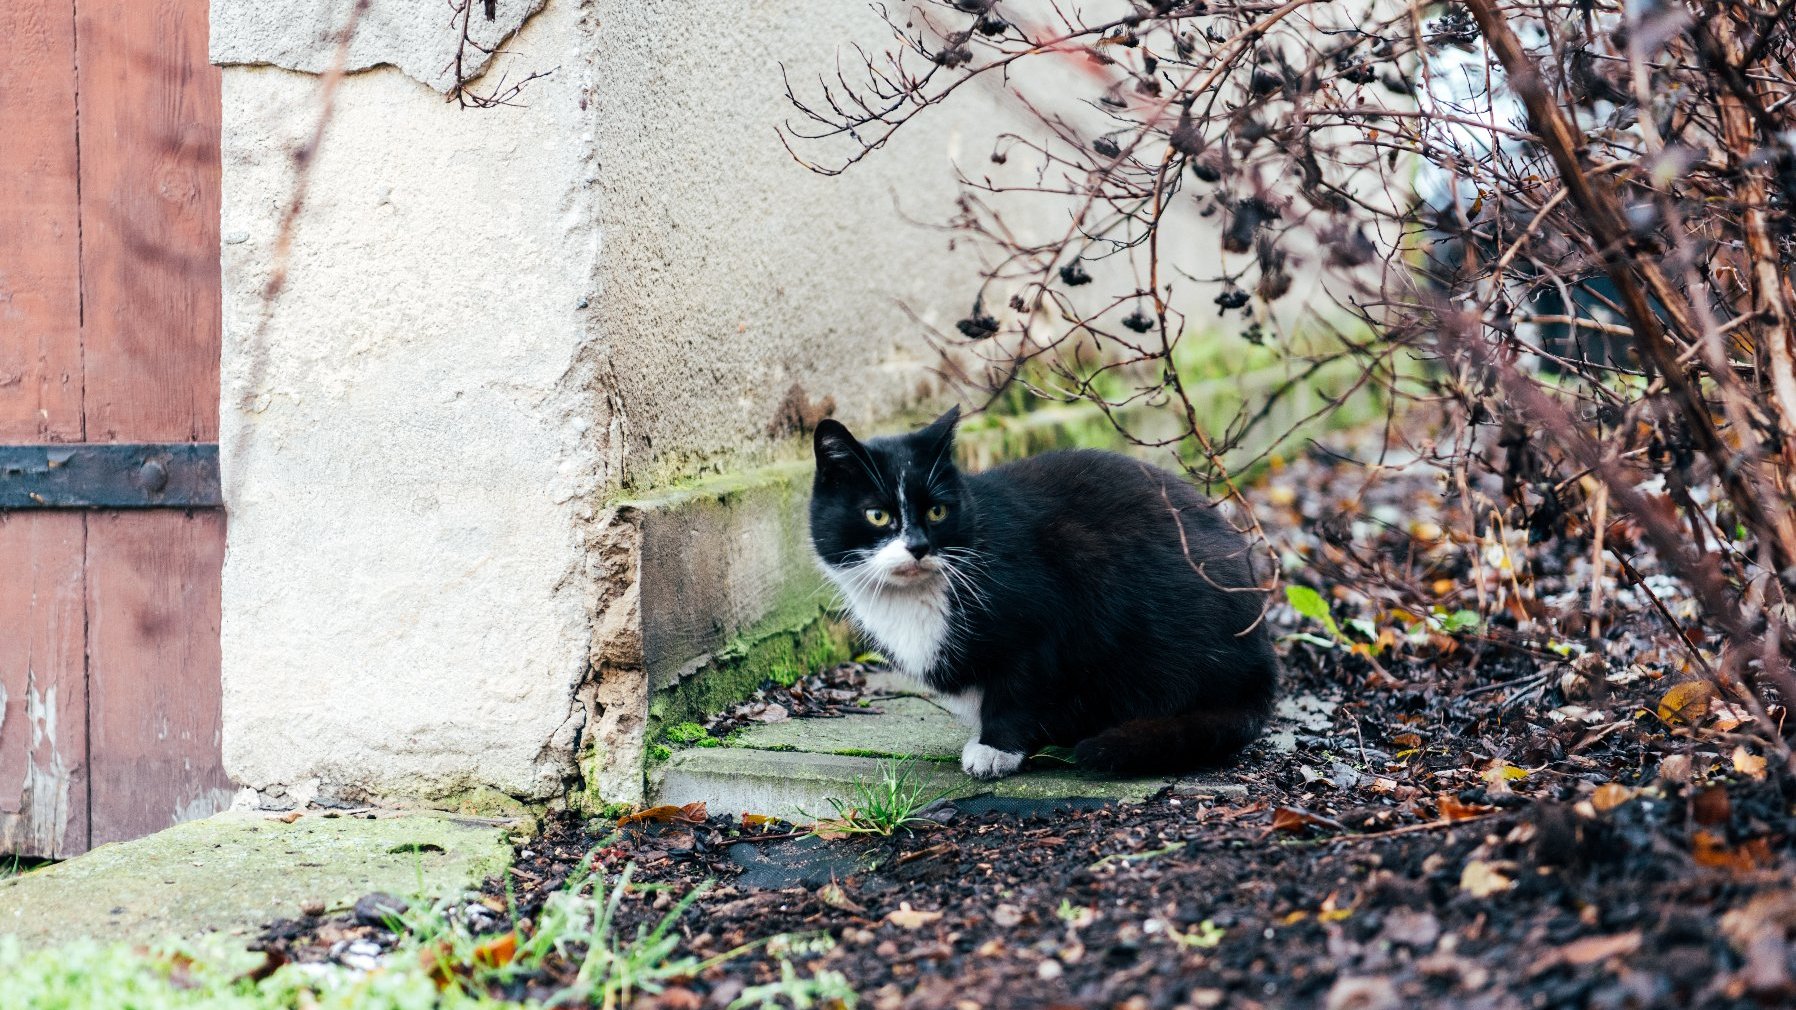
point(936, 513)
point(878, 517)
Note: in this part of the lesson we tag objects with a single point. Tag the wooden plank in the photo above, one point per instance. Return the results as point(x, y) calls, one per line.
point(43, 689)
point(153, 660)
point(150, 110)
point(40, 290)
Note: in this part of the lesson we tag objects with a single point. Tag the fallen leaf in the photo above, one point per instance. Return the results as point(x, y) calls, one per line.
point(1586, 951)
point(758, 820)
point(1675, 768)
point(905, 917)
point(1711, 806)
point(1610, 795)
point(1711, 850)
point(1288, 819)
point(1453, 810)
point(1748, 764)
point(1727, 716)
point(834, 896)
point(833, 830)
point(1481, 880)
point(691, 813)
point(1687, 703)
point(497, 952)
point(1591, 949)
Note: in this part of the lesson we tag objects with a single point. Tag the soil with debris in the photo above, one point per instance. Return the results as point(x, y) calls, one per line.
point(1477, 813)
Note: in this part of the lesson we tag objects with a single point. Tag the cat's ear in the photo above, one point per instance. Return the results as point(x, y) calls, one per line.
point(837, 449)
point(937, 440)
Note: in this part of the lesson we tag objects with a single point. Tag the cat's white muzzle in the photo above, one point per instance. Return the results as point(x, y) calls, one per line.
point(894, 566)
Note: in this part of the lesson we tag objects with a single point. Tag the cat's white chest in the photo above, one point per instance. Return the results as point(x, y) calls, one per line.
point(910, 626)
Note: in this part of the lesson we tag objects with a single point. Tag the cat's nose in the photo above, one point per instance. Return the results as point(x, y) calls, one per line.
point(917, 550)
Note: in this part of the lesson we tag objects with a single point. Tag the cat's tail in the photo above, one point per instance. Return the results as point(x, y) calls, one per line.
point(1168, 745)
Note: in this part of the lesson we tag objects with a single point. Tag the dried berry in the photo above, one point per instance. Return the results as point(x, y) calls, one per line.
point(1232, 298)
point(977, 326)
point(1073, 274)
point(1138, 321)
point(954, 57)
point(1186, 138)
point(1106, 147)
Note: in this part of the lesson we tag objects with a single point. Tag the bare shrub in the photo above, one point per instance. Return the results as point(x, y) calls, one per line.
point(1567, 226)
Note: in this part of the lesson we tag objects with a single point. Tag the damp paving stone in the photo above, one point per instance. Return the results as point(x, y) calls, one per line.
point(236, 872)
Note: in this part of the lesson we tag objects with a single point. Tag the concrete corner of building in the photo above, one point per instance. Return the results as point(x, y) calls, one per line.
point(713, 593)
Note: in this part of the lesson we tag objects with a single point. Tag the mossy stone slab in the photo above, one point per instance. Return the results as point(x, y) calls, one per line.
point(901, 727)
point(792, 769)
point(235, 872)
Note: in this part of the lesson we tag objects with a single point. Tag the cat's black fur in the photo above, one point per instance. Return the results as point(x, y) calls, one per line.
point(1098, 602)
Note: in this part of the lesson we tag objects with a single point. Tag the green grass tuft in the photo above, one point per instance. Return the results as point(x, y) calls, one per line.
point(882, 807)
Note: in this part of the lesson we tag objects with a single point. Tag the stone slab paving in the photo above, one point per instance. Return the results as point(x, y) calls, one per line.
point(791, 769)
point(235, 872)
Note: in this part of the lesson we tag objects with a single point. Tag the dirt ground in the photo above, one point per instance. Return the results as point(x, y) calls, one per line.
point(1475, 814)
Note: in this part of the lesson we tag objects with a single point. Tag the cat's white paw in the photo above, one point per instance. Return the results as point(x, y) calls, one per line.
point(982, 762)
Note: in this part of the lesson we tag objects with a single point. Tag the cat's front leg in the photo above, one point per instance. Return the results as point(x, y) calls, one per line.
point(1003, 742)
point(983, 761)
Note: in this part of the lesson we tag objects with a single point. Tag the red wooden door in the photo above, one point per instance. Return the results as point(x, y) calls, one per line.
point(111, 540)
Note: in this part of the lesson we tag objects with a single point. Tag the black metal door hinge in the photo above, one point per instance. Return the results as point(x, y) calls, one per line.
point(110, 475)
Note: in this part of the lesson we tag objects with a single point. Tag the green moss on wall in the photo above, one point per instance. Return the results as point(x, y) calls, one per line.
point(772, 653)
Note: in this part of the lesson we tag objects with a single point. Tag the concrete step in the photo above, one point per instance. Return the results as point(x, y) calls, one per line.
point(236, 872)
point(793, 768)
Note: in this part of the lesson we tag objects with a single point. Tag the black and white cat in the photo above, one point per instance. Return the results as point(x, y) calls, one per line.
point(1077, 598)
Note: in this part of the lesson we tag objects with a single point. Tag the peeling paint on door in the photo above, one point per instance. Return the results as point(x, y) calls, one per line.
point(47, 776)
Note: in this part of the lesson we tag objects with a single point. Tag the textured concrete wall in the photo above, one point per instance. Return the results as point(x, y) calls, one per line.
point(735, 272)
point(412, 442)
point(494, 324)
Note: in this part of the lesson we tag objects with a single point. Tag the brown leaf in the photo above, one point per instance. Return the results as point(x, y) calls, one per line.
point(1610, 795)
point(1711, 850)
point(906, 917)
point(677, 998)
point(834, 896)
point(691, 813)
point(1687, 703)
point(1287, 819)
point(1748, 764)
point(1589, 950)
point(1711, 806)
point(1481, 880)
point(498, 951)
point(1453, 810)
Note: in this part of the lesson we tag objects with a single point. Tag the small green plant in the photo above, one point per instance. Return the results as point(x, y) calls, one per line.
point(1206, 935)
point(825, 990)
point(576, 927)
point(882, 807)
point(1309, 603)
point(659, 752)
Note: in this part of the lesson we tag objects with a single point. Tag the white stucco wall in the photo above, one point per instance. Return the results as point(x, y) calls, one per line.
point(495, 320)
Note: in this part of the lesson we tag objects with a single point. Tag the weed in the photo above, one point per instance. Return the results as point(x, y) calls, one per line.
point(1206, 935)
point(883, 807)
point(441, 963)
point(825, 989)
